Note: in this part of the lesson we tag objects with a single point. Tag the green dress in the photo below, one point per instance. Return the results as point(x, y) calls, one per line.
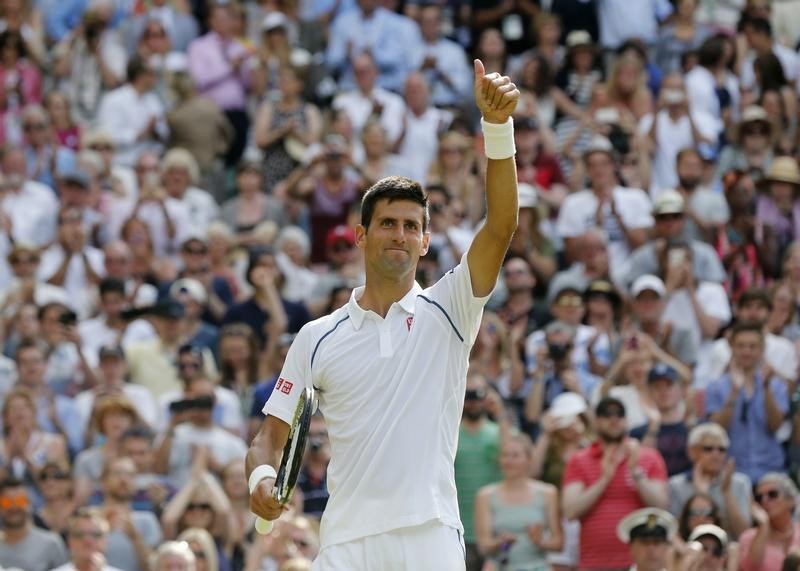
point(523, 555)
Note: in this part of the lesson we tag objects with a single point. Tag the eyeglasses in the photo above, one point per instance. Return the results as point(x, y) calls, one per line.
point(611, 413)
point(479, 394)
point(770, 494)
point(710, 449)
point(198, 506)
point(44, 476)
point(84, 534)
point(8, 502)
point(701, 512)
point(569, 301)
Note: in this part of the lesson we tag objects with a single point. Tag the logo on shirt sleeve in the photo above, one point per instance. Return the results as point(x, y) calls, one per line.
point(284, 386)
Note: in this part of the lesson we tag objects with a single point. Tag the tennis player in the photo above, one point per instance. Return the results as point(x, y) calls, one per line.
point(389, 369)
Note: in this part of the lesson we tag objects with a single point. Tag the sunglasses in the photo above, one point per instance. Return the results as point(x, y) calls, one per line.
point(54, 476)
point(611, 413)
point(771, 494)
point(198, 506)
point(701, 512)
point(710, 449)
point(7, 502)
point(85, 534)
point(669, 217)
point(475, 395)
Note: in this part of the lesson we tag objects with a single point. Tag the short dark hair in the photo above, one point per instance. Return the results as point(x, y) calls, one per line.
point(741, 328)
point(111, 285)
point(137, 66)
point(24, 345)
point(685, 152)
point(11, 482)
point(754, 294)
point(394, 188)
point(137, 431)
point(759, 25)
point(711, 51)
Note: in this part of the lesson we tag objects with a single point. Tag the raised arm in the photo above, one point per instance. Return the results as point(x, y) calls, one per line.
point(496, 98)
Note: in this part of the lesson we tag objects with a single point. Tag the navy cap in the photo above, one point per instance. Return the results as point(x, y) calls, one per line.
point(169, 308)
point(662, 371)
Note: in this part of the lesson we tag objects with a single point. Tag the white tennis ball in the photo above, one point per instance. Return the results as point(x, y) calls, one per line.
point(263, 526)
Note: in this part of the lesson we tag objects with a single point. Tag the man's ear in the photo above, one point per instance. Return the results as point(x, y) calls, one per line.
point(361, 233)
point(425, 244)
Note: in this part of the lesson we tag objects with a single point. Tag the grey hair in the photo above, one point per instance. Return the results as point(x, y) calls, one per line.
point(598, 232)
point(179, 548)
point(297, 235)
point(708, 429)
point(37, 112)
point(785, 483)
point(181, 158)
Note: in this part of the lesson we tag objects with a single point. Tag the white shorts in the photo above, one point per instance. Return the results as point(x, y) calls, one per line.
point(431, 546)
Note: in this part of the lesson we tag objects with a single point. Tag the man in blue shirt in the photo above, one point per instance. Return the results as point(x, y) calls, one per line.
point(751, 404)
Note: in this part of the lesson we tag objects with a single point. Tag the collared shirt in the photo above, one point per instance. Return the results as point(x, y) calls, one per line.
point(753, 445)
point(451, 62)
point(359, 108)
point(124, 113)
point(623, 19)
point(600, 546)
point(421, 140)
point(392, 391)
point(76, 281)
point(33, 211)
point(681, 489)
point(210, 60)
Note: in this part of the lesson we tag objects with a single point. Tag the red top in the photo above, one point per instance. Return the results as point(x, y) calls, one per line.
point(600, 548)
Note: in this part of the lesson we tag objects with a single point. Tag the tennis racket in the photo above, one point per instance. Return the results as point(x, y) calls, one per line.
point(293, 451)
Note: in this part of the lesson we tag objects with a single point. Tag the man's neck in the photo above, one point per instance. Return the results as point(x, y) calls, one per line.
point(13, 535)
point(671, 416)
point(380, 296)
point(472, 425)
point(603, 190)
point(112, 502)
point(519, 302)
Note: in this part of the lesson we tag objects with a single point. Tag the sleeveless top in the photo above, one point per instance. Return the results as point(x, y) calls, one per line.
point(523, 555)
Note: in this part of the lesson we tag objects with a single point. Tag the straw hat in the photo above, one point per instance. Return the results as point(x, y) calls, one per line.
point(783, 169)
point(752, 114)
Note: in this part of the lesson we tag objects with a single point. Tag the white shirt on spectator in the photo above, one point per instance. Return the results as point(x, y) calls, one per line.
point(150, 212)
point(621, 20)
point(671, 137)
point(76, 282)
point(95, 334)
point(359, 108)
point(222, 445)
point(124, 114)
point(421, 140)
point(779, 353)
point(714, 301)
point(202, 210)
point(577, 215)
point(787, 57)
point(71, 567)
point(451, 62)
point(227, 403)
point(33, 212)
point(140, 397)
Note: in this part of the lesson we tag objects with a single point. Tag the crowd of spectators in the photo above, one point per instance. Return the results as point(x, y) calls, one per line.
point(179, 183)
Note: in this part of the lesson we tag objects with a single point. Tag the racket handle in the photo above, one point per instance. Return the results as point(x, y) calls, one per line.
point(263, 526)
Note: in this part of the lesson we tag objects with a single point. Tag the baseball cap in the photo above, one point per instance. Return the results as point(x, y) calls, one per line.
point(669, 202)
point(170, 308)
point(648, 282)
point(274, 20)
point(340, 233)
point(707, 529)
point(191, 287)
point(566, 407)
point(662, 371)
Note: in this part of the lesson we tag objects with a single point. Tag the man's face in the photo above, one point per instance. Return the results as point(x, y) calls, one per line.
point(140, 452)
point(666, 393)
point(222, 20)
point(611, 425)
point(430, 22)
point(710, 455)
point(146, 165)
point(113, 369)
point(118, 482)
point(753, 312)
point(35, 129)
point(365, 73)
point(117, 263)
point(200, 389)
point(87, 541)
point(475, 400)
point(669, 225)
point(70, 226)
point(195, 256)
point(31, 366)
point(600, 168)
point(748, 349)
point(595, 253)
point(394, 240)
point(568, 307)
point(648, 306)
point(113, 303)
point(690, 171)
point(649, 554)
point(14, 508)
point(24, 265)
point(74, 194)
point(518, 276)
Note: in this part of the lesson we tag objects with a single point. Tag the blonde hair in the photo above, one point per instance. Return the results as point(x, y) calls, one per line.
point(206, 541)
point(614, 92)
point(183, 159)
point(708, 430)
point(179, 548)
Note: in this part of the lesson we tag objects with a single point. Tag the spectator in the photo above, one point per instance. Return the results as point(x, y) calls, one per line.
point(442, 61)
point(576, 80)
point(45, 159)
point(765, 546)
point(777, 205)
point(477, 457)
point(535, 79)
point(24, 287)
point(313, 479)
point(648, 532)
point(118, 263)
point(713, 474)
point(212, 295)
point(252, 205)
point(66, 131)
point(180, 174)
point(452, 169)
point(517, 520)
point(55, 486)
point(219, 67)
point(181, 28)
point(605, 482)
point(622, 212)
point(718, 554)
point(684, 33)
point(758, 33)
point(710, 87)
point(24, 545)
point(751, 148)
point(202, 545)
point(174, 556)
point(133, 534)
point(241, 365)
point(497, 355)
point(150, 490)
point(286, 121)
point(87, 538)
point(619, 21)
point(750, 403)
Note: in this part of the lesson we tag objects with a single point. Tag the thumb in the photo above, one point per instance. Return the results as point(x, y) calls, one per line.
point(480, 71)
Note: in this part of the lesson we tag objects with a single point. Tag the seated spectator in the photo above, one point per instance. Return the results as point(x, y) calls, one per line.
point(87, 538)
point(750, 403)
point(715, 474)
point(764, 546)
point(182, 28)
point(778, 204)
point(133, 534)
point(452, 169)
point(111, 417)
point(666, 429)
point(192, 430)
point(22, 544)
point(234, 484)
point(45, 158)
point(151, 490)
point(201, 542)
point(194, 254)
point(191, 293)
point(379, 158)
point(175, 556)
point(24, 287)
point(55, 485)
point(251, 206)
point(517, 520)
point(750, 151)
point(711, 88)
point(180, 174)
point(649, 532)
point(533, 239)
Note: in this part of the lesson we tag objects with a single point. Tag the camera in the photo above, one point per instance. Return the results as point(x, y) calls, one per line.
point(68, 318)
point(205, 402)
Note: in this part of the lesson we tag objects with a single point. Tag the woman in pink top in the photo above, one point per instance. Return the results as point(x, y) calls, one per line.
point(764, 547)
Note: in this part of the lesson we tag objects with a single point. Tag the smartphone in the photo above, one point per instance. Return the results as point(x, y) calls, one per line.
point(68, 318)
point(676, 257)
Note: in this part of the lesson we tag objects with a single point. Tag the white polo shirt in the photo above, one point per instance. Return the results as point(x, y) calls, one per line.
point(392, 392)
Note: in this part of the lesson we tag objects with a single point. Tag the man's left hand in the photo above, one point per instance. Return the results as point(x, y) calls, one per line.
point(495, 95)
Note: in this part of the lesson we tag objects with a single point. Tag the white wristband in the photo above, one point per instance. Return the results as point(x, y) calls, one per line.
point(261, 472)
point(498, 139)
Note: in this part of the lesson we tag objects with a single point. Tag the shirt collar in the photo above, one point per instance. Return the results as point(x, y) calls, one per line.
point(357, 313)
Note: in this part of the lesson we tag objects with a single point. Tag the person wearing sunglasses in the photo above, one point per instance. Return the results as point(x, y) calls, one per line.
point(87, 538)
point(56, 489)
point(609, 479)
point(22, 544)
point(713, 473)
point(764, 547)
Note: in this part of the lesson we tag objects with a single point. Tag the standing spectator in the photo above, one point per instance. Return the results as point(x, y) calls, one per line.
point(750, 403)
point(710, 87)
point(442, 61)
point(681, 35)
point(758, 33)
point(517, 520)
point(181, 28)
point(764, 547)
point(607, 481)
point(620, 20)
point(477, 457)
point(623, 212)
point(133, 115)
point(24, 545)
point(251, 206)
point(218, 64)
point(713, 473)
point(87, 538)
